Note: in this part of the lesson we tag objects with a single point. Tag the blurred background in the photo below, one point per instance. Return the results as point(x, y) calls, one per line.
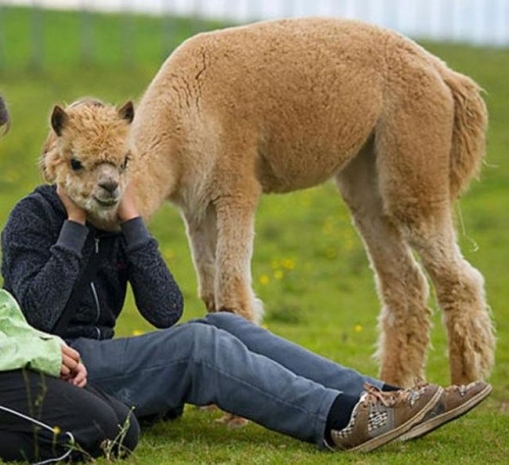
point(479, 22)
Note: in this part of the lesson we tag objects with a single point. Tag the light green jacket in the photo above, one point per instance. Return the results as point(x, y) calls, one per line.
point(22, 346)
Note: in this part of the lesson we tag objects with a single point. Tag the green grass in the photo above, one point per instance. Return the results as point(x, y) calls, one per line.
point(309, 265)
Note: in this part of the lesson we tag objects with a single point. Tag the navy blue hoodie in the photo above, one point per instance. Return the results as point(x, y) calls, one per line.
point(43, 255)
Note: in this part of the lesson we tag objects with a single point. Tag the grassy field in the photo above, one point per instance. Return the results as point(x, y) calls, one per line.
point(309, 265)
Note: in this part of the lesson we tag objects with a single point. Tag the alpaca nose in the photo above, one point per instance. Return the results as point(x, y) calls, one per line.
point(109, 186)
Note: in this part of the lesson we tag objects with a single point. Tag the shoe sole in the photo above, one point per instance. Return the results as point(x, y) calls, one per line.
point(421, 430)
point(401, 429)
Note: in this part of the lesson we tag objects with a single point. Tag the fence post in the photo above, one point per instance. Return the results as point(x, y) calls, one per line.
point(87, 40)
point(128, 33)
point(37, 36)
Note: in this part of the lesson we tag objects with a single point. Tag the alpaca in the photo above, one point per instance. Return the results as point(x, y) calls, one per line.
point(282, 105)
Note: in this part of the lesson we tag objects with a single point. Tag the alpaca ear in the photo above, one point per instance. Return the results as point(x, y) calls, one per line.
point(127, 111)
point(59, 119)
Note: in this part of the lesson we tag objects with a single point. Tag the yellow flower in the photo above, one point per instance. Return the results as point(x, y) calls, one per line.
point(264, 279)
point(278, 274)
point(357, 328)
point(138, 332)
point(288, 263)
point(56, 430)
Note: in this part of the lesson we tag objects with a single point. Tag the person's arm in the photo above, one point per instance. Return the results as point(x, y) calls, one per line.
point(41, 260)
point(157, 294)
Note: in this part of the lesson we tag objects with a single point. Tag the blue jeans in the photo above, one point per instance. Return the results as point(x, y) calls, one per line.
point(225, 360)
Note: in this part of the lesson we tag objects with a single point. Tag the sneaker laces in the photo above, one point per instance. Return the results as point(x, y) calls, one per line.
point(370, 396)
point(392, 398)
point(460, 389)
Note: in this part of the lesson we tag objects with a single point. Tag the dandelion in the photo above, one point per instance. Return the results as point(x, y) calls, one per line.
point(264, 279)
point(288, 263)
point(138, 332)
point(278, 274)
point(349, 243)
point(357, 328)
point(56, 430)
point(169, 253)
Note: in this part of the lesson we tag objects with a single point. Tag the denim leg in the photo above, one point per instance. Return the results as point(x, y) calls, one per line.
point(294, 357)
point(200, 364)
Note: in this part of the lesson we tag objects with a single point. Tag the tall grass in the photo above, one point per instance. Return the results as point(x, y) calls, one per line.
point(309, 266)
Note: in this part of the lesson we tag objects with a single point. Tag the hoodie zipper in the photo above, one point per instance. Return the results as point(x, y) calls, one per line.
point(94, 292)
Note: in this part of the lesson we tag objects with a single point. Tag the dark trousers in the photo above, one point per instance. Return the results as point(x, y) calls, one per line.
point(44, 418)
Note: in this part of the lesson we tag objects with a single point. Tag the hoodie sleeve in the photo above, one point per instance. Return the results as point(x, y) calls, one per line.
point(41, 260)
point(22, 346)
point(157, 294)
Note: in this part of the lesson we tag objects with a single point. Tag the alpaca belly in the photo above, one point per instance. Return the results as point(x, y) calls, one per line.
point(292, 178)
point(292, 170)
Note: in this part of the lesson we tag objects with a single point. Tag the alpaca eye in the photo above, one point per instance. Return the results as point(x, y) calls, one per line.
point(124, 165)
point(76, 164)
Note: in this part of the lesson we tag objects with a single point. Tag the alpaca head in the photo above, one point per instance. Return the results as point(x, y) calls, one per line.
point(88, 153)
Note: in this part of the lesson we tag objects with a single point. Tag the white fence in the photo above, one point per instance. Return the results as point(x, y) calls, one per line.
point(480, 22)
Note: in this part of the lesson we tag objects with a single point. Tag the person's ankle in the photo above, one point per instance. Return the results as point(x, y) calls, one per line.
point(389, 387)
point(340, 414)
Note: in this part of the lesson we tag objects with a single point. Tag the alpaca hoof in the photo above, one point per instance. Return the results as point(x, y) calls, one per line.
point(232, 421)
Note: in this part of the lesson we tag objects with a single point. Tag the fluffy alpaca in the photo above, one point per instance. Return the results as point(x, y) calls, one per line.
point(283, 105)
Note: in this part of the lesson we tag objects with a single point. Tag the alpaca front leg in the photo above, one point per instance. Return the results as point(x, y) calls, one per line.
point(202, 236)
point(235, 235)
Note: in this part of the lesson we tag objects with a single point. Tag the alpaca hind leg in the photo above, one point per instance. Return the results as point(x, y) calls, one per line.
point(460, 294)
point(404, 321)
point(413, 163)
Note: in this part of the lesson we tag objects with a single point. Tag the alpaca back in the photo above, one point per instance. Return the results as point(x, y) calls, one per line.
point(291, 100)
point(302, 100)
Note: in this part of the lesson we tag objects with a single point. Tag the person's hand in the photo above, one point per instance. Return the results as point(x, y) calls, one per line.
point(79, 376)
point(74, 213)
point(127, 209)
point(72, 370)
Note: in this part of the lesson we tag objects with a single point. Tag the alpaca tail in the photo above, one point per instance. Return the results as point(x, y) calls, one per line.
point(469, 131)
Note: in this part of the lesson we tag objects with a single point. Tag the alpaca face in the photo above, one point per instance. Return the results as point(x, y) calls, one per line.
point(88, 153)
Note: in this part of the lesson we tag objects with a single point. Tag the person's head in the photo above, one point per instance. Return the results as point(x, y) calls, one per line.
point(87, 153)
point(4, 115)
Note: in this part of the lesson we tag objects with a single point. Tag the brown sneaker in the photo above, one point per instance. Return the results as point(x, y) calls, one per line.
point(454, 402)
point(379, 417)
